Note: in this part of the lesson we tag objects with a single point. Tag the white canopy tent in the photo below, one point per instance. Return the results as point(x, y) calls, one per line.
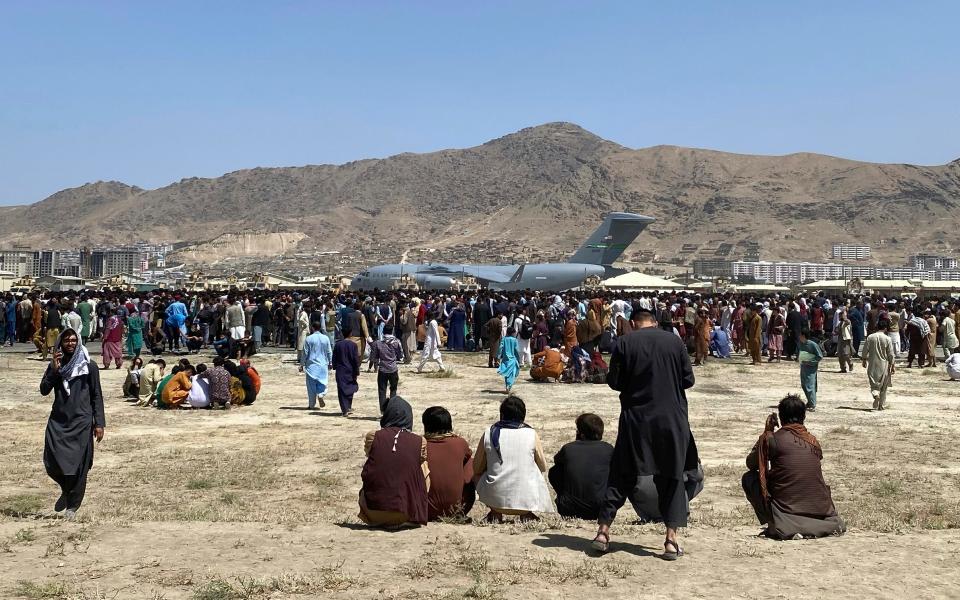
point(641, 281)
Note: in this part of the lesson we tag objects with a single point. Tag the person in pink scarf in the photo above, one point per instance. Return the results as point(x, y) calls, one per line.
point(112, 336)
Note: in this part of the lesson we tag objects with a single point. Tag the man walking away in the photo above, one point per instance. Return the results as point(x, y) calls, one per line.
point(316, 362)
point(878, 360)
point(384, 355)
point(809, 354)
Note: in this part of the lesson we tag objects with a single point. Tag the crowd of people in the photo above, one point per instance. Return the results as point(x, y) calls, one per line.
point(559, 337)
point(653, 341)
point(413, 479)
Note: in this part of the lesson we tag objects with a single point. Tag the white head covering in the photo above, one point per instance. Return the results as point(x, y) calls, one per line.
point(79, 363)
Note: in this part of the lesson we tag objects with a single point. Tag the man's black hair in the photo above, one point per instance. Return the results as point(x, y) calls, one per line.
point(792, 409)
point(589, 427)
point(513, 409)
point(437, 420)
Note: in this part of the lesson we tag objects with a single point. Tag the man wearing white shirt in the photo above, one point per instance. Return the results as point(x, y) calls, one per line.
point(199, 396)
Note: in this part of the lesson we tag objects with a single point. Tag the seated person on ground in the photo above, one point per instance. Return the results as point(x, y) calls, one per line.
point(548, 365)
point(577, 366)
point(509, 465)
point(581, 469)
point(219, 379)
point(597, 369)
point(176, 390)
point(253, 374)
point(450, 460)
point(221, 345)
point(244, 347)
point(199, 396)
point(194, 339)
point(785, 482)
point(396, 478)
point(241, 374)
point(150, 378)
point(131, 385)
point(156, 339)
point(719, 343)
point(644, 497)
point(953, 366)
point(158, 396)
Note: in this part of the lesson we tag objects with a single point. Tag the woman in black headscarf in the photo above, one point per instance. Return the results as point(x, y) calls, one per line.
point(76, 419)
point(395, 476)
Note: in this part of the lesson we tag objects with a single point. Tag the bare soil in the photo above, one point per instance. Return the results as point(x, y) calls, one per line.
point(260, 502)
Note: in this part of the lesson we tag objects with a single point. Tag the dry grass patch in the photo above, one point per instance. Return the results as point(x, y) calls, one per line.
point(322, 580)
point(22, 505)
point(447, 373)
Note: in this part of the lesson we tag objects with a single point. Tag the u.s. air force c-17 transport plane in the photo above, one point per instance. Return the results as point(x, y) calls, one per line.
point(593, 260)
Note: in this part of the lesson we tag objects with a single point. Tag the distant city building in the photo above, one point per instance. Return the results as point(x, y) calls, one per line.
point(18, 262)
point(712, 267)
point(930, 261)
point(850, 252)
point(107, 262)
point(797, 272)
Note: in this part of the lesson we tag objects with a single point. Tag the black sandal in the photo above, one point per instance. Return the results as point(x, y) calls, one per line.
point(601, 547)
point(671, 555)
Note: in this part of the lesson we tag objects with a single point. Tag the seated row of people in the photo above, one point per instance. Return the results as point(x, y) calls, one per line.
point(412, 479)
point(223, 385)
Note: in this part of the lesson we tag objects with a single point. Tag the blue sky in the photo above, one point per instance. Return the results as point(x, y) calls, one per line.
point(151, 92)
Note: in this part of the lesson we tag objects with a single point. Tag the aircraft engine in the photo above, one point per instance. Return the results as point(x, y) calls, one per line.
point(436, 282)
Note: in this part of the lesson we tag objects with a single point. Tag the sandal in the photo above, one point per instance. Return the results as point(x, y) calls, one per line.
point(677, 553)
point(601, 547)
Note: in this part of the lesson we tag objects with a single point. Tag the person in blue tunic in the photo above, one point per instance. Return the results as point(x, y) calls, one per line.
point(719, 343)
point(315, 362)
point(509, 356)
point(810, 356)
point(457, 332)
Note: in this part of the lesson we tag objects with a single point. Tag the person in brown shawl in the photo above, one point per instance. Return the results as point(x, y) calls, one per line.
point(395, 477)
point(785, 483)
point(753, 326)
point(701, 342)
point(450, 460)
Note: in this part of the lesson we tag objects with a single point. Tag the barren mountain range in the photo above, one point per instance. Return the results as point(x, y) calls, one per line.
point(547, 186)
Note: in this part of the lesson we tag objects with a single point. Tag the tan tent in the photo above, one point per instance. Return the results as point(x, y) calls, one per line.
point(641, 281)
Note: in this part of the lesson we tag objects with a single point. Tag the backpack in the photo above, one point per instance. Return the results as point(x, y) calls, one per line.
point(526, 330)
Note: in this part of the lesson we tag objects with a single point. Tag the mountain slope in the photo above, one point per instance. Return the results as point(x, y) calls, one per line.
point(545, 186)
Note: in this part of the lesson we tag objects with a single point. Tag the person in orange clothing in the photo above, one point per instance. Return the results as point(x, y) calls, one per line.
point(178, 388)
point(570, 334)
point(252, 373)
point(548, 365)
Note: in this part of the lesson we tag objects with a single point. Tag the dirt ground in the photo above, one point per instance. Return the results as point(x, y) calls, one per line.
point(260, 502)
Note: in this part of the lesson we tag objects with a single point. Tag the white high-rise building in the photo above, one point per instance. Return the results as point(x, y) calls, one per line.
point(843, 251)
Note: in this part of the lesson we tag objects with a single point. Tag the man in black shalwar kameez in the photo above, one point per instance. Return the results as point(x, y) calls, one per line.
point(651, 369)
point(76, 419)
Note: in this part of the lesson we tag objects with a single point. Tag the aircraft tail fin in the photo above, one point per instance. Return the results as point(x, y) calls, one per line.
point(608, 242)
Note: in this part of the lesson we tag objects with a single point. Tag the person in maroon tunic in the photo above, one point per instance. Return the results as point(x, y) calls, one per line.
point(450, 460)
point(395, 476)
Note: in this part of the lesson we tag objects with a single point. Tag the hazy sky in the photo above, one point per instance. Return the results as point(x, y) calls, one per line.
point(150, 92)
